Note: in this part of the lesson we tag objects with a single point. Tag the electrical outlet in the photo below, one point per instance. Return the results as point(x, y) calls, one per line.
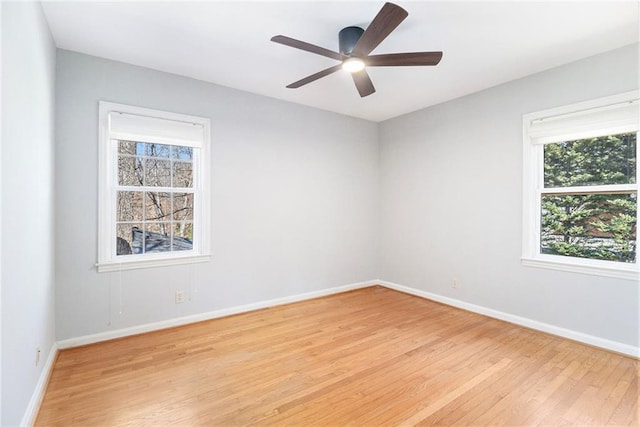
point(179, 297)
point(37, 356)
point(454, 283)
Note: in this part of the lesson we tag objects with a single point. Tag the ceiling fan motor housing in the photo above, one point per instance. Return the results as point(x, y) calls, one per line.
point(347, 39)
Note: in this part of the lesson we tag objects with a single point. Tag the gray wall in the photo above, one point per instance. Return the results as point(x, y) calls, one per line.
point(294, 198)
point(28, 67)
point(451, 202)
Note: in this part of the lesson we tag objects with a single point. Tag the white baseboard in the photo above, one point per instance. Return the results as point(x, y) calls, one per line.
point(511, 318)
point(38, 394)
point(180, 321)
point(522, 321)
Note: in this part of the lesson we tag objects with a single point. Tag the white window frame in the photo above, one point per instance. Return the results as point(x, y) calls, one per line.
point(604, 116)
point(177, 132)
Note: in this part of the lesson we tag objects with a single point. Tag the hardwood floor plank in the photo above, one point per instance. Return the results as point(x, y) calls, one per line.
point(367, 357)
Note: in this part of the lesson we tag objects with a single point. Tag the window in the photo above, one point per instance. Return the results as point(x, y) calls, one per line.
point(153, 188)
point(581, 187)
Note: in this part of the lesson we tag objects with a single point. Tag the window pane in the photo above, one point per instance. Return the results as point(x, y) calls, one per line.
point(157, 206)
point(593, 161)
point(596, 226)
point(156, 150)
point(183, 236)
point(182, 153)
point(157, 173)
point(130, 170)
point(183, 207)
point(128, 147)
point(182, 174)
point(129, 206)
point(128, 239)
point(157, 237)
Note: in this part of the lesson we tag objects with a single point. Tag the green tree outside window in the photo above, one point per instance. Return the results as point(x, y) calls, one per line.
point(590, 225)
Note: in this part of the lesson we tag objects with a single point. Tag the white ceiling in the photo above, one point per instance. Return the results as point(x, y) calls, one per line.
point(484, 43)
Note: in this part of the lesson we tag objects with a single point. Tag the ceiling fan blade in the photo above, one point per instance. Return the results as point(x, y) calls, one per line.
point(404, 59)
point(288, 41)
point(363, 83)
point(314, 77)
point(389, 17)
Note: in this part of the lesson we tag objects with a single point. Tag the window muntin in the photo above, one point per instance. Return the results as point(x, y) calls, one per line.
point(580, 187)
point(153, 198)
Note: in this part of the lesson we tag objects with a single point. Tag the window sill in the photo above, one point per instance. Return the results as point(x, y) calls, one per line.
point(150, 263)
point(573, 265)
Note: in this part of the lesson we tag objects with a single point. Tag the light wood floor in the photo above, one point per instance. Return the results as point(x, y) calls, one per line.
point(368, 357)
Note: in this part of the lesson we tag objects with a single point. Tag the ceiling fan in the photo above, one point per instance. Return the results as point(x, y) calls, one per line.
point(355, 44)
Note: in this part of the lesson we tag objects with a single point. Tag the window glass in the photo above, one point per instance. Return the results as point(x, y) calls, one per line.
point(595, 226)
point(594, 161)
point(151, 221)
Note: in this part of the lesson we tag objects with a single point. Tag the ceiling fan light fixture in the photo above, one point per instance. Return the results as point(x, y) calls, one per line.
point(353, 65)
